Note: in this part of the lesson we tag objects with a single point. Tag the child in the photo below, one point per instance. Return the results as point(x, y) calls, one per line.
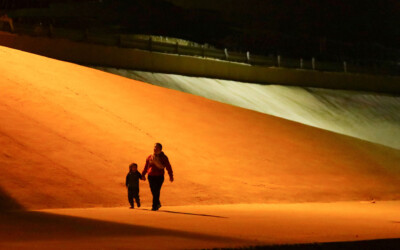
point(132, 183)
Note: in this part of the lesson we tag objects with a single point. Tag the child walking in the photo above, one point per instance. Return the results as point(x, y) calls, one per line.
point(132, 183)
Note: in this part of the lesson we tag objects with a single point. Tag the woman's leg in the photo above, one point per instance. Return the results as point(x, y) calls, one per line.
point(152, 184)
point(159, 185)
point(155, 187)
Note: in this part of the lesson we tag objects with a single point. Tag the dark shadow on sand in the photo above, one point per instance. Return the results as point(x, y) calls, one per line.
point(384, 244)
point(8, 203)
point(17, 226)
point(175, 212)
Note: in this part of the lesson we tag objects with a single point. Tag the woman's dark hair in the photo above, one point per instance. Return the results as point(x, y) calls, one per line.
point(132, 165)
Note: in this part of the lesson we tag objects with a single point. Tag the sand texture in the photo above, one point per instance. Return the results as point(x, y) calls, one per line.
point(69, 132)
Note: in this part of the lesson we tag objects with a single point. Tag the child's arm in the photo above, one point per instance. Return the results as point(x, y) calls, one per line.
point(126, 180)
point(140, 176)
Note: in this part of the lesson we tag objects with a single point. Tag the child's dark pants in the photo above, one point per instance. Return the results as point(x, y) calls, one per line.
point(155, 186)
point(133, 193)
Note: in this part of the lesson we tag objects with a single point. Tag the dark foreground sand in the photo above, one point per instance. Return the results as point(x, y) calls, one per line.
point(183, 227)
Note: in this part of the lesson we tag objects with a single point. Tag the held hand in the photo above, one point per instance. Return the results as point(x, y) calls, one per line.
point(171, 179)
point(143, 178)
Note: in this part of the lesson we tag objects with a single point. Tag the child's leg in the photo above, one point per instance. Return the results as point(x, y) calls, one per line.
point(137, 198)
point(130, 196)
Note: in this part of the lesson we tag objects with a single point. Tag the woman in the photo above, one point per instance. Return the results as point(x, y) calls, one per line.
point(155, 165)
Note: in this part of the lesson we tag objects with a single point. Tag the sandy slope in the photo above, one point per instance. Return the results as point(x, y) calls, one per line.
point(69, 132)
point(369, 116)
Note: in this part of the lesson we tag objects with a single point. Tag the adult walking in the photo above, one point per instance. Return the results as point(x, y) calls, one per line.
point(155, 165)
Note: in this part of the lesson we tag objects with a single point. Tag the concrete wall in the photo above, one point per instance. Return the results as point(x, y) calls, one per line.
point(91, 54)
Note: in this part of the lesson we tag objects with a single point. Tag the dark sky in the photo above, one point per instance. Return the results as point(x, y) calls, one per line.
point(257, 25)
point(352, 20)
point(345, 20)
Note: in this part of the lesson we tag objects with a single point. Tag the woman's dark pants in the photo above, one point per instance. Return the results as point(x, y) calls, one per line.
point(155, 186)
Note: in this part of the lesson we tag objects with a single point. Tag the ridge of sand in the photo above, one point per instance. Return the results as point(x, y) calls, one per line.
point(69, 132)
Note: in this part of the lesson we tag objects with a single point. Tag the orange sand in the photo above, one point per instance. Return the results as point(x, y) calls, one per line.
point(69, 132)
point(189, 227)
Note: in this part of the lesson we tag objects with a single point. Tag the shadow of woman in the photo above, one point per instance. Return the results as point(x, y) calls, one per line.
point(175, 212)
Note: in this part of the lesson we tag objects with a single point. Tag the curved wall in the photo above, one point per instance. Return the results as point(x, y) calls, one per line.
point(92, 54)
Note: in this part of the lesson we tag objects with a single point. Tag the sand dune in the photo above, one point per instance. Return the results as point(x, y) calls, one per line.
point(68, 133)
point(368, 116)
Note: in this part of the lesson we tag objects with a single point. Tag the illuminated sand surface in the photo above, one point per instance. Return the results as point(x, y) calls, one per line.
point(369, 116)
point(201, 226)
point(69, 132)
